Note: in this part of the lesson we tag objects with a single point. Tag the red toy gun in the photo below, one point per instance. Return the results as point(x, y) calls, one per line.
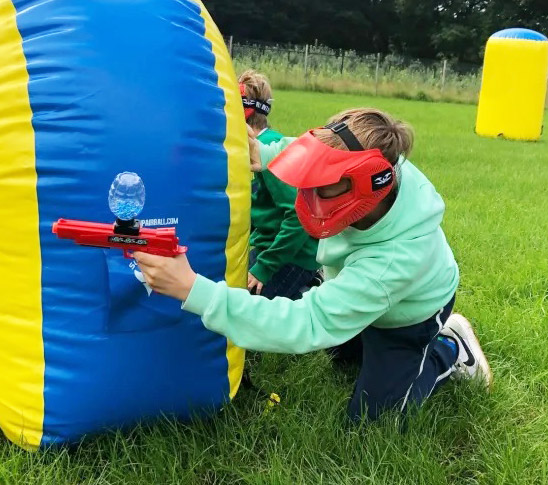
point(126, 235)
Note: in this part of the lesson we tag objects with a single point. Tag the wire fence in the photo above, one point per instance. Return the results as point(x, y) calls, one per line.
point(320, 68)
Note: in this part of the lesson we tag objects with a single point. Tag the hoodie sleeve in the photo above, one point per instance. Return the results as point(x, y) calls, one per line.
point(291, 236)
point(326, 316)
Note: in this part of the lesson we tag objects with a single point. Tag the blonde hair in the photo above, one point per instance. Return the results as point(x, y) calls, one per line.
point(373, 129)
point(257, 86)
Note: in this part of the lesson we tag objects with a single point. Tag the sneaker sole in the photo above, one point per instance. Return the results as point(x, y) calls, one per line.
point(467, 331)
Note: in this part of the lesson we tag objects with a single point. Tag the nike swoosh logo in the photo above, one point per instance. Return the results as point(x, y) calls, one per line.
point(470, 361)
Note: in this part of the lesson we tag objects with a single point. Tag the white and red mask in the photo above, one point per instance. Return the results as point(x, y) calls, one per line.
point(308, 164)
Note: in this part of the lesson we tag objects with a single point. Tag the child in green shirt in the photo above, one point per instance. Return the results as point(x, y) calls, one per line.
point(283, 258)
point(391, 277)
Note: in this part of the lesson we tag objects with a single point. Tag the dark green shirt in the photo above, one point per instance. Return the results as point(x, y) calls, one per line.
point(278, 235)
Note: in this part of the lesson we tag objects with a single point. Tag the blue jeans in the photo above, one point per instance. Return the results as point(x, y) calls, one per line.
point(287, 282)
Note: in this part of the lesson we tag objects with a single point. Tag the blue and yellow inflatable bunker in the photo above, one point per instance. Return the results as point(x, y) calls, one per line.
point(89, 89)
point(513, 89)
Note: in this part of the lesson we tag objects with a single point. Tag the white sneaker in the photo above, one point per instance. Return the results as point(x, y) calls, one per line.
point(471, 362)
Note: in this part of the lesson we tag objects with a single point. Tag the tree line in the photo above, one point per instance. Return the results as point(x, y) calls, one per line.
point(452, 29)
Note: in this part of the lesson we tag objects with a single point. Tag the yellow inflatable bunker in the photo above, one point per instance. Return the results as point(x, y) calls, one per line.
point(513, 90)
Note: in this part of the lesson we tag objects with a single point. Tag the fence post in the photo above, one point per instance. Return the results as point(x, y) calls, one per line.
point(342, 60)
point(443, 74)
point(377, 73)
point(306, 62)
point(230, 45)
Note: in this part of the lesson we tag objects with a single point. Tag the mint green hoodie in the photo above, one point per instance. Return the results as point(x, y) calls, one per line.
point(397, 273)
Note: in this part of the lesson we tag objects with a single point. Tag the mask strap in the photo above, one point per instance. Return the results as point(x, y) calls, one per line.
point(257, 105)
point(341, 129)
point(262, 107)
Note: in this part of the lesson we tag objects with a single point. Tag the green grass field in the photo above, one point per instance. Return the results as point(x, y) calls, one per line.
point(496, 221)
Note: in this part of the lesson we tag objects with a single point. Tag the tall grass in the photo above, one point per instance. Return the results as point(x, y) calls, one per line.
point(333, 71)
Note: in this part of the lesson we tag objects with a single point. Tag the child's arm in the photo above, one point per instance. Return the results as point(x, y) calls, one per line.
point(325, 316)
point(291, 236)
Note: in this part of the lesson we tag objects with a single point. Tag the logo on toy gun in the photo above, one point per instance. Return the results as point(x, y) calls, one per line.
point(126, 200)
point(127, 240)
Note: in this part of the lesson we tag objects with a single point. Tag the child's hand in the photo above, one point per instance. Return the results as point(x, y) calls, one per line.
point(169, 276)
point(254, 152)
point(253, 282)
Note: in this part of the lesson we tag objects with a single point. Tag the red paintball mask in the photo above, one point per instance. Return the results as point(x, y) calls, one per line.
point(252, 106)
point(308, 164)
